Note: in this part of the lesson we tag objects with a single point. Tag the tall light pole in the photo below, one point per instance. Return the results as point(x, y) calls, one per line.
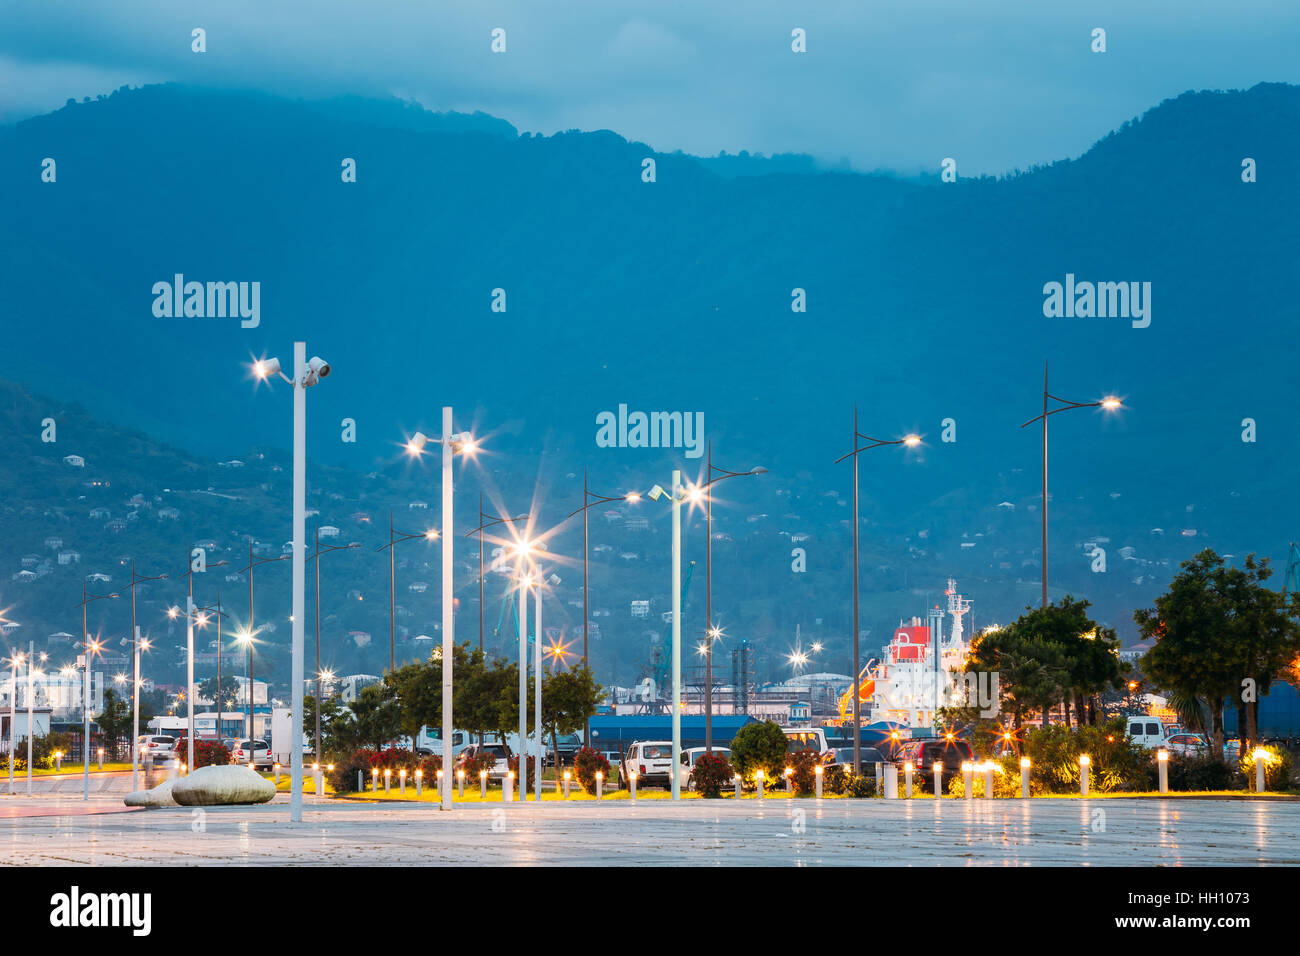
point(712, 476)
point(135, 656)
point(31, 695)
point(537, 691)
point(250, 631)
point(316, 750)
point(452, 443)
point(525, 581)
point(193, 615)
point(676, 495)
point(589, 500)
point(395, 538)
point(911, 441)
point(14, 661)
point(306, 373)
point(483, 524)
point(1110, 403)
point(88, 650)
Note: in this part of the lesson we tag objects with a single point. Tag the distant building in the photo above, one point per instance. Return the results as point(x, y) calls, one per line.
point(233, 463)
point(54, 542)
point(170, 514)
point(74, 461)
point(329, 531)
point(69, 557)
point(352, 686)
point(418, 506)
point(640, 608)
point(100, 514)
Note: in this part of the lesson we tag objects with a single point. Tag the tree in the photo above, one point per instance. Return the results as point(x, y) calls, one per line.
point(418, 688)
point(335, 722)
point(115, 721)
point(760, 746)
point(1215, 627)
point(378, 716)
point(568, 699)
point(1031, 672)
point(229, 692)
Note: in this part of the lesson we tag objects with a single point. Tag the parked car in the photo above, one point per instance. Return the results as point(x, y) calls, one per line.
point(156, 747)
point(256, 752)
point(843, 757)
point(651, 760)
point(691, 757)
point(1187, 744)
point(498, 751)
point(924, 752)
point(1149, 732)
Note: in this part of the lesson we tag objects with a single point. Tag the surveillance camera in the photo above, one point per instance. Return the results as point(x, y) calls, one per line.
point(319, 366)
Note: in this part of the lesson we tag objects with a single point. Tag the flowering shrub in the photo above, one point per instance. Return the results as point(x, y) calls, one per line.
point(514, 765)
point(474, 764)
point(804, 763)
point(429, 768)
point(209, 753)
point(711, 774)
point(394, 759)
point(586, 763)
point(343, 778)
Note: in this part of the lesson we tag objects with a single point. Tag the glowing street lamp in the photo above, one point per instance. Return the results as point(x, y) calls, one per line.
point(712, 475)
point(453, 443)
point(89, 649)
point(1109, 403)
point(908, 441)
point(589, 500)
point(394, 537)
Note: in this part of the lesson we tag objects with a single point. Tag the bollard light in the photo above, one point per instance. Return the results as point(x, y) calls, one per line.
point(632, 780)
point(482, 784)
point(737, 781)
point(1261, 758)
point(907, 779)
point(817, 776)
point(276, 768)
point(401, 774)
point(508, 790)
point(600, 784)
point(891, 781)
point(460, 784)
point(388, 777)
point(758, 778)
point(989, 767)
point(1162, 762)
point(58, 760)
point(936, 770)
point(1085, 772)
point(968, 779)
point(419, 781)
point(567, 777)
point(1024, 778)
point(374, 779)
point(101, 758)
point(361, 787)
point(789, 779)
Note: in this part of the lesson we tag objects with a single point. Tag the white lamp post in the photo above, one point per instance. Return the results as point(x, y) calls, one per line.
point(524, 583)
point(537, 694)
point(452, 443)
point(31, 649)
point(676, 496)
point(13, 692)
point(306, 373)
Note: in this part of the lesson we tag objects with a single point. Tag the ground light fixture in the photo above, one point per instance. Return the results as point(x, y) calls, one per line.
point(907, 441)
point(453, 443)
point(1109, 404)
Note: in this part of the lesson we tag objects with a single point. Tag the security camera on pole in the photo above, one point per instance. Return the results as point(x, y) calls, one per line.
point(306, 373)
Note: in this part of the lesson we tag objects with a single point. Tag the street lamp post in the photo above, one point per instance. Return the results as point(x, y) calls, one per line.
point(195, 615)
point(395, 538)
point(306, 373)
point(676, 495)
point(712, 476)
point(910, 441)
point(31, 694)
point(316, 750)
point(88, 651)
point(1109, 403)
point(452, 443)
point(524, 582)
point(14, 661)
point(135, 725)
point(250, 632)
point(589, 500)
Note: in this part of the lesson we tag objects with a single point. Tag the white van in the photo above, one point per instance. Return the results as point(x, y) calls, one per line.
point(806, 738)
point(1149, 732)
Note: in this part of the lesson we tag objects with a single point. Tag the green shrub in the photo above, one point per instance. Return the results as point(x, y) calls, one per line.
point(760, 746)
point(529, 765)
point(475, 764)
point(859, 785)
point(586, 763)
point(1277, 768)
point(1117, 763)
point(834, 779)
point(343, 778)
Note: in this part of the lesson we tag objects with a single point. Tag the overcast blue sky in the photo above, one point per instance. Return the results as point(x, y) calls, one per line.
point(895, 84)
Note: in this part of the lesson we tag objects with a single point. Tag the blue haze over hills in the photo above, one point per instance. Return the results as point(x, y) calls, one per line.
point(924, 302)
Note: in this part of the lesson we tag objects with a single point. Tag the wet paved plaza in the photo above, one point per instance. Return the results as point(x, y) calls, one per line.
point(59, 829)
